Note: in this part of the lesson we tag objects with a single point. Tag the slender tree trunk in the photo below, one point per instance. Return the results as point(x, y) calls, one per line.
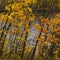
point(4, 28)
point(24, 45)
point(33, 53)
point(2, 34)
point(34, 50)
point(4, 40)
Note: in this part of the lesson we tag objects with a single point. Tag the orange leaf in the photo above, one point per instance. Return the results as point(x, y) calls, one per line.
point(45, 30)
point(38, 27)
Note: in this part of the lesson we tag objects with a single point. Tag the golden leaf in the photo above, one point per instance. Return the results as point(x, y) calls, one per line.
point(37, 27)
point(30, 10)
point(45, 30)
point(20, 24)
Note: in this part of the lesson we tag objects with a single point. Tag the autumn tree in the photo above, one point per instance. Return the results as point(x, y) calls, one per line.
point(16, 22)
point(15, 28)
point(48, 34)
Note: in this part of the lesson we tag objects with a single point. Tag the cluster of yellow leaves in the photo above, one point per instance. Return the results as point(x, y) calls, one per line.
point(16, 7)
point(27, 26)
point(27, 30)
point(14, 44)
point(8, 7)
point(20, 12)
point(45, 30)
point(54, 39)
point(20, 24)
point(37, 27)
point(3, 18)
point(58, 15)
point(11, 32)
point(22, 39)
point(56, 20)
point(31, 1)
point(31, 18)
point(30, 10)
point(28, 49)
point(58, 33)
point(57, 29)
point(10, 19)
point(46, 43)
point(41, 38)
point(6, 43)
point(45, 21)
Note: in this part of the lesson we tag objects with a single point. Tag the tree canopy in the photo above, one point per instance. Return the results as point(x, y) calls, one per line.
point(25, 35)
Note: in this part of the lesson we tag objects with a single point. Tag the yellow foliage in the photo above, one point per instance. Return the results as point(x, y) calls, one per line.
point(7, 8)
point(58, 15)
point(31, 1)
point(6, 42)
point(32, 18)
point(22, 39)
point(58, 33)
point(20, 24)
point(12, 14)
point(29, 34)
point(14, 44)
point(26, 30)
point(11, 32)
point(16, 7)
point(37, 27)
point(56, 21)
point(30, 10)
point(27, 26)
point(45, 30)
point(56, 29)
point(3, 18)
point(41, 38)
point(20, 15)
point(10, 19)
point(46, 43)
